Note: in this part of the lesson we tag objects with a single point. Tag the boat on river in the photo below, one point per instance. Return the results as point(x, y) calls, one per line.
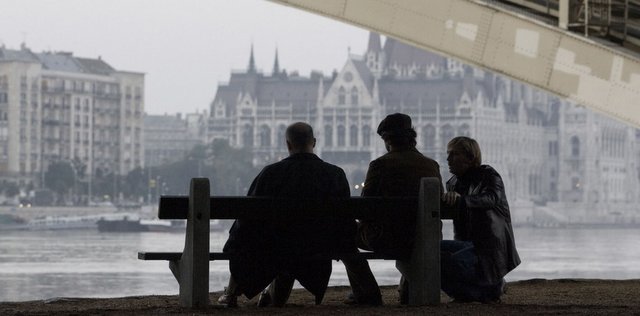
point(63, 222)
point(135, 224)
point(129, 224)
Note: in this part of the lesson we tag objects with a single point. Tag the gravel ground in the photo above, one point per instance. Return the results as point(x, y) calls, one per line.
point(530, 297)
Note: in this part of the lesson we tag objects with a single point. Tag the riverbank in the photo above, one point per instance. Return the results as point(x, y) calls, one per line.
point(530, 297)
point(30, 213)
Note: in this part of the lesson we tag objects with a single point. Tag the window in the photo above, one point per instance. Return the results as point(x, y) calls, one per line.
point(265, 136)
point(341, 96)
point(463, 130)
point(447, 135)
point(247, 136)
point(366, 136)
point(328, 136)
point(575, 146)
point(354, 96)
point(281, 140)
point(341, 136)
point(533, 184)
point(353, 136)
point(553, 148)
point(429, 137)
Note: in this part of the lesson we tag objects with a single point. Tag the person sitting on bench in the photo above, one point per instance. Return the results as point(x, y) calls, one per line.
point(396, 173)
point(264, 252)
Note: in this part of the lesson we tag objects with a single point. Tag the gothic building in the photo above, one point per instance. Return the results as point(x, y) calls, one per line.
point(559, 161)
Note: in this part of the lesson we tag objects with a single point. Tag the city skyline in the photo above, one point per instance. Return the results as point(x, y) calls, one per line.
point(560, 161)
point(185, 48)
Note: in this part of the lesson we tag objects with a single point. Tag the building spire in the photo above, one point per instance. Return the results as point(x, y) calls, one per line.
point(252, 63)
point(276, 66)
point(374, 43)
point(374, 56)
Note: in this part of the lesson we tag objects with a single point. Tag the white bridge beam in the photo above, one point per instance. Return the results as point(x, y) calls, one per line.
point(585, 71)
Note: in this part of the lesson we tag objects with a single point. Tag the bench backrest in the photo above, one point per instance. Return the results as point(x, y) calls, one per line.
point(244, 207)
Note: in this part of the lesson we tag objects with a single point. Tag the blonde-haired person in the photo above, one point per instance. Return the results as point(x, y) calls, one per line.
point(483, 250)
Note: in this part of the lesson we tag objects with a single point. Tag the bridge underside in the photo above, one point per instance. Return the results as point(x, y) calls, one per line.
point(588, 71)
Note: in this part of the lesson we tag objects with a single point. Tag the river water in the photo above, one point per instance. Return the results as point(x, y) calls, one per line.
point(86, 263)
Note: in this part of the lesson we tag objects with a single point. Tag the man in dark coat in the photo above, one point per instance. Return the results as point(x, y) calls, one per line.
point(265, 251)
point(396, 173)
point(484, 250)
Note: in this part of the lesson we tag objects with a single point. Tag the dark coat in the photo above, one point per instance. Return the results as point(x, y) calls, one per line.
point(485, 220)
point(397, 173)
point(262, 249)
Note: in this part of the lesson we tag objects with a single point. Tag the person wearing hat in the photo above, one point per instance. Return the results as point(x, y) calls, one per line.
point(396, 173)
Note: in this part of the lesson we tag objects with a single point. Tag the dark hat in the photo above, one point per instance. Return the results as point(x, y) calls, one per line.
point(395, 124)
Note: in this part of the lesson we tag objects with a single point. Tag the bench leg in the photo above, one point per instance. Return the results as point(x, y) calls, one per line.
point(174, 266)
point(423, 268)
point(192, 270)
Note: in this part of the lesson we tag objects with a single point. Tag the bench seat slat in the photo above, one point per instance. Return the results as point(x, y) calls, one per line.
point(260, 208)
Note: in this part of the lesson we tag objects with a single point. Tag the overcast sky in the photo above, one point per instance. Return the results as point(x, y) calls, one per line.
point(185, 47)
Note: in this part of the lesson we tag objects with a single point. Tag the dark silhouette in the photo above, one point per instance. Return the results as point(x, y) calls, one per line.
point(484, 250)
point(396, 173)
point(265, 252)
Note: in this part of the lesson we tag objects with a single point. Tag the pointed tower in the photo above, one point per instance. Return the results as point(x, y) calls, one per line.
point(376, 92)
point(252, 63)
point(374, 56)
point(276, 66)
point(320, 99)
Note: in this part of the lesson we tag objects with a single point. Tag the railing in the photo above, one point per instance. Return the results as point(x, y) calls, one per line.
point(616, 21)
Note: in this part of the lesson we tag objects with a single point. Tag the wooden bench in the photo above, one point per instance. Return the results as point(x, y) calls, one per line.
point(191, 267)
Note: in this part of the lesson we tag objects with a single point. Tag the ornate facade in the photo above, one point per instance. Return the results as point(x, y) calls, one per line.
point(559, 161)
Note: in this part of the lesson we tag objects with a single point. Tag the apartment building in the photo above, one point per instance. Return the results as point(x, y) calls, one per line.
point(55, 106)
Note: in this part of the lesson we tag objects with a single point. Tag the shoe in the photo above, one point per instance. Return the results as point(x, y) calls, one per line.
point(495, 300)
point(265, 299)
point(460, 301)
point(228, 300)
point(403, 297)
point(350, 299)
point(371, 301)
